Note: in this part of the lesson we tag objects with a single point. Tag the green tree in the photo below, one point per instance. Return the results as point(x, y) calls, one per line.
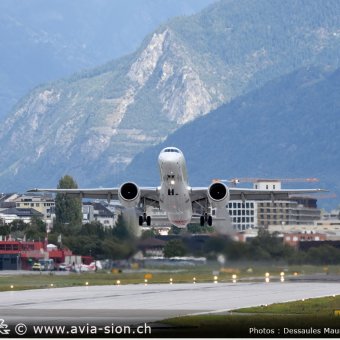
point(68, 209)
point(174, 248)
point(122, 231)
point(174, 230)
point(116, 250)
point(36, 230)
point(324, 254)
point(17, 229)
point(148, 234)
point(198, 229)
point(4, 230)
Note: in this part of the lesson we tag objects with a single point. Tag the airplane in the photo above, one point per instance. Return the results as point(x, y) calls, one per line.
point(182, 203)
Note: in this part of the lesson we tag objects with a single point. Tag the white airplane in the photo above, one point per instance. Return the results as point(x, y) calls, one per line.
point(182, 203)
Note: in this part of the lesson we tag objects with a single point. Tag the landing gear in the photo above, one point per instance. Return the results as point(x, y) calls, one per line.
point(202, 221)
point(206, 219)
point(143, 218)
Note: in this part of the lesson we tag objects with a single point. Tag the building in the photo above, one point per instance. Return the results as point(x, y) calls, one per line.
point(15, 255)
point(44, 204)
point(9, 215)
point(20, 255)
point(243, 214)
point(95, 211)
point(294, 239)
point(254, 214)
point(8, 200)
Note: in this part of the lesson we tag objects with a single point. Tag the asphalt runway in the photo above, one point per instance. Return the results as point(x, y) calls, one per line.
point(133, 304)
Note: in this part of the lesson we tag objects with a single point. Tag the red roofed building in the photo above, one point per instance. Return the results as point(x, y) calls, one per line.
point(21, 254)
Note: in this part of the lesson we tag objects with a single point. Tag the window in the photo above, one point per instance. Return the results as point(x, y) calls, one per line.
point(171, 150)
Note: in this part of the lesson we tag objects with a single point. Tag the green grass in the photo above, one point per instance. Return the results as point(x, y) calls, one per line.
point(280, 319)
point(321, 306)
point(244, 325)
point(44, 280)
point(183, 275)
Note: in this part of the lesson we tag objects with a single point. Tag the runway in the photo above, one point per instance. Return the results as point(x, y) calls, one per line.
point(132, 304)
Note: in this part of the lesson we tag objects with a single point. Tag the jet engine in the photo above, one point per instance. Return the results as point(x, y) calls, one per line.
point(218, 194)
point(129, 195)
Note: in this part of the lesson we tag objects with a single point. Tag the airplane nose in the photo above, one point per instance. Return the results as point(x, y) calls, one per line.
point(169, 158)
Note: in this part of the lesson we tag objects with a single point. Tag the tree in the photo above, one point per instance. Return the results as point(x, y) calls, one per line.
point(198, 229)
point(116, 250)
point(4, 230)
point(148, 234)
point(68, 209)
point(17, 229)
point(36, 230)
point(174, 248)
point(121, 231)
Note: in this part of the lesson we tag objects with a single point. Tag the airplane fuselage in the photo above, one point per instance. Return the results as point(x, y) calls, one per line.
point(174, 190)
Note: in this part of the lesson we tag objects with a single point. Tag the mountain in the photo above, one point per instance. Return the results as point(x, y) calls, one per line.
point(289, 128)
point(93, 124)
point(45, 40)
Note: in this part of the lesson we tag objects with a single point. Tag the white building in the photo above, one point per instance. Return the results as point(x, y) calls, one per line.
point(95, 211)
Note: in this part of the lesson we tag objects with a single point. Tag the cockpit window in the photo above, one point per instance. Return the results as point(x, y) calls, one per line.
point(171, 150)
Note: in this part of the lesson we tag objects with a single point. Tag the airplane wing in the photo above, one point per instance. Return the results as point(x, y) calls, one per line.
point(268, 195)
point(151, 193)
point(201, 193)
point(103, 193)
